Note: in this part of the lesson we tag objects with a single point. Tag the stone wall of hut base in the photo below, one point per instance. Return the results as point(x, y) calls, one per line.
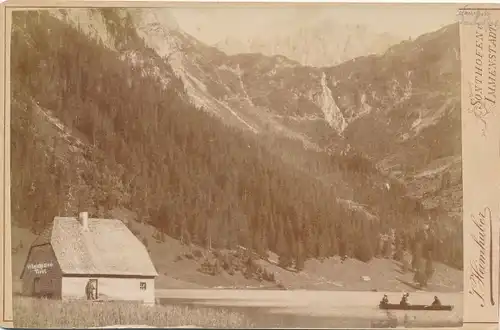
point(41, 274)
point(110, 288)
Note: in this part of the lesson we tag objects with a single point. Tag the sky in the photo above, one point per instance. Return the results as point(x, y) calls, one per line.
point(212, 22)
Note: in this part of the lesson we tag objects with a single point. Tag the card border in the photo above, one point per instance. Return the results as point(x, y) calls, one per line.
point(5, 16)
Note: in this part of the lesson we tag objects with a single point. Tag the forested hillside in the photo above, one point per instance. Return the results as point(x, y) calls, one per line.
point(92, 132)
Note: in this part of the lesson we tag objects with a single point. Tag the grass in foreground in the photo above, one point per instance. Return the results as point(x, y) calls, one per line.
point(45, 313)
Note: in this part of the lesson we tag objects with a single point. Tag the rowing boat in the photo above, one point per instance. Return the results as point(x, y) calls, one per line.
point(416, 307)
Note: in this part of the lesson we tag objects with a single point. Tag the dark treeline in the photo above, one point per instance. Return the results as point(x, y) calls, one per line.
point(180, 170)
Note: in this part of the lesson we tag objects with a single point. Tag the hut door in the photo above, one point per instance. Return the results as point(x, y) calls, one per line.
point(96, 286)
point(36, 286)
point(92, 289)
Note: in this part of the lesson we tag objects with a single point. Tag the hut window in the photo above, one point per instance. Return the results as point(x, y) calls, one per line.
point(143, 285)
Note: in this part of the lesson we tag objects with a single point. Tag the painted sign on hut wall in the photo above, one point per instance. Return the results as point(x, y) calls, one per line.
point(40, 268)
point(41, 275)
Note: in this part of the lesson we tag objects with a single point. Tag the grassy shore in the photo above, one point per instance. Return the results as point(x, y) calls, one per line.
point(44, 313)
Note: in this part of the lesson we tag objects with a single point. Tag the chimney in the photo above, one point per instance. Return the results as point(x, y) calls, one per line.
point(84, 220)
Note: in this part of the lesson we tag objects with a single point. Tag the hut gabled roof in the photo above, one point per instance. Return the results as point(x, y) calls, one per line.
point(106, 247)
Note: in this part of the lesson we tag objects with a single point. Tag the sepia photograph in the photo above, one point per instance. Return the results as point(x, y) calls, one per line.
point(241, 165)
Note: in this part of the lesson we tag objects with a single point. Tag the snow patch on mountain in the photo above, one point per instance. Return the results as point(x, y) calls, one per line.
point(195, 89)
point(352, 205)
point(236, 71)
point(242, 86)
point(408, 88)
point(331, 111)
point(300, 118)
point(135, 59)
point(365, 107)
point(235, 114)
point(429, 117)
point(402, 91)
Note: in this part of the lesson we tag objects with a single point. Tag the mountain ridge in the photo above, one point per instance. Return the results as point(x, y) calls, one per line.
point(321, 43)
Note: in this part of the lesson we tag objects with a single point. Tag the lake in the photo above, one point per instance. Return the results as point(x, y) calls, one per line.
point(307, 308)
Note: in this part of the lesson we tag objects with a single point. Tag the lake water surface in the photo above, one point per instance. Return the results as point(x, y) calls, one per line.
point(301, 308)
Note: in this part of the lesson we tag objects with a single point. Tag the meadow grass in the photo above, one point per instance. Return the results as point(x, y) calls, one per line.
point(46, 313)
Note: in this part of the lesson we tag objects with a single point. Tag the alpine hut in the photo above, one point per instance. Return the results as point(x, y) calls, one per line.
point(88, 258)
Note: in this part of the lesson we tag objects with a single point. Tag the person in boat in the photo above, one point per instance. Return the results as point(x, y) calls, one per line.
point(405, 301)
point(436, 302)
point(384, 300)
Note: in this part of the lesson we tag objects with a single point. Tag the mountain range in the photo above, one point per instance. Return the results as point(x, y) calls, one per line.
point(409, 96)
point(122, 110)
point(317, 43)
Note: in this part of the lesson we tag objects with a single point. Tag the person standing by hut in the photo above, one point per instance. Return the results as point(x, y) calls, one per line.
point(91, 290)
